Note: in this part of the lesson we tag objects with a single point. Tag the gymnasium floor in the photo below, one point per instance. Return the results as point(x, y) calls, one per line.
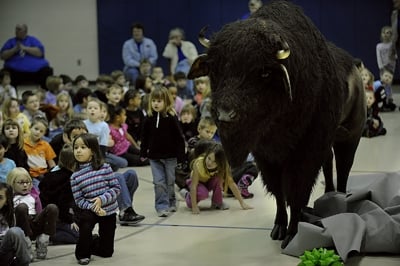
point(232, 237)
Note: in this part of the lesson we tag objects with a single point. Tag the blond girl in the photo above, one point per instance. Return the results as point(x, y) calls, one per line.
point(163, 144)
point(11, 110)
point(202, 87)
point(65, 113)
point(35, 221)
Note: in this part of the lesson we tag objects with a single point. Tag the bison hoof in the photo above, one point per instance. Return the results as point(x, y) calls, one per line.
point(278, 232)
point(286, 241)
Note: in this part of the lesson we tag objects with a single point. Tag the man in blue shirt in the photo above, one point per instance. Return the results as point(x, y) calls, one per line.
point(135, 50)
point(23, 57)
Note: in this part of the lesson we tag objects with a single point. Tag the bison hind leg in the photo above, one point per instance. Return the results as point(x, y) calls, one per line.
point(278, 232)
point(344, 156)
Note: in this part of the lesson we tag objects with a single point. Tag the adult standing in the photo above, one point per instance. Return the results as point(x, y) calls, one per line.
point(24, 58)
point(137, 49)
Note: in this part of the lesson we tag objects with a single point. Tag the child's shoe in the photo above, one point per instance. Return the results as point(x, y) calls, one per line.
point(162, 213)
point(183, 192)
point(30, 249)
point(42, 241)
point(245, 193)
point(223, 206)
point(84, 261)
point(243, 185)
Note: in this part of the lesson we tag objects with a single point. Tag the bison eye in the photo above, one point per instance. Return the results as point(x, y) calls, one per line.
point(265, 75)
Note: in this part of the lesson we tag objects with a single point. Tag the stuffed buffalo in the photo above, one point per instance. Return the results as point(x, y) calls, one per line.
point(283, 93)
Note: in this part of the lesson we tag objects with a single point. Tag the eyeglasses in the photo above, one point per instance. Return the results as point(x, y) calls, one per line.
point(24, 182)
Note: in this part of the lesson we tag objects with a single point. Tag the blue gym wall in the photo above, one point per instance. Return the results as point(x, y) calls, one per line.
point(351, 24)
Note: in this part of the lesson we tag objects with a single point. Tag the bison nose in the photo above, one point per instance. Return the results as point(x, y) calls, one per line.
point(226, 116)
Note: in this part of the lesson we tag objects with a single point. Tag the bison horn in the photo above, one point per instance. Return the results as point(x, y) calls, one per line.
point(202, 37)
point(287, 81)
point(284, 52)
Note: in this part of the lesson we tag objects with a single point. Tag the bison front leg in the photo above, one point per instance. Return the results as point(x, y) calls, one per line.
point(280, 224)
point(300, 180)
point(295, 212)
point(272, 178)
point(327, 169)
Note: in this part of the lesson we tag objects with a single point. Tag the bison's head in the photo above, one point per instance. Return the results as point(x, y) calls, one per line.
point(244, 50)
point(246, 65)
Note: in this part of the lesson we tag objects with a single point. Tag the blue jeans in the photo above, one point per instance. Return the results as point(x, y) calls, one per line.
point(115, 161)
point(131, 74)
point(163, 171)
point(129, 183)
point(14, 245)
point(64, 235)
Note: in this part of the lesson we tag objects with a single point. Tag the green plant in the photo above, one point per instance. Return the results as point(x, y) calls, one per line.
point(320, 257)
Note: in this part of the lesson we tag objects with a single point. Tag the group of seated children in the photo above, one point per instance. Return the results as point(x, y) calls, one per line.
point(61, 137)
point(379, 99)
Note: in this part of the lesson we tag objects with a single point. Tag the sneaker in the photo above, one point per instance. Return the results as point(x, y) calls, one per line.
point(245, 181)
point(172, 209)
point(162, 213)
point(222, 206)
point(30, 249)
point(130, 217)
point(183, 192)
point(42, 241)
point(243, 185)
point(246, 194)
point(84, 261)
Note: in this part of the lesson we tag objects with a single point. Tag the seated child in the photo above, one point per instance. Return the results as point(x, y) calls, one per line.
point(64, 114)
point(135, 115)
point(114, 94)
point(40, 153)
point(188, 121)
point(119, 79)
point(367, 78)
point(15, 151)
point(157, 76)
point(178, 102)
point(374, 125)
point(55, 189)
point(6, 164)
point(124, 145)
point(14, 246)
point(185, 87)
point(385, 81)
point(11, 110)
point(206, 130)
point(54, 85)
point(7, 91)
point(31, 104)
point(210, 172)
point(30, 217)
point(102, 84)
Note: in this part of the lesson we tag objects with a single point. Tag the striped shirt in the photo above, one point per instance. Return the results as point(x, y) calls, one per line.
point(87, 184)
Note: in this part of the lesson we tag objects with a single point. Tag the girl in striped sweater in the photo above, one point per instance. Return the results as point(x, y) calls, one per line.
point(95, 189)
